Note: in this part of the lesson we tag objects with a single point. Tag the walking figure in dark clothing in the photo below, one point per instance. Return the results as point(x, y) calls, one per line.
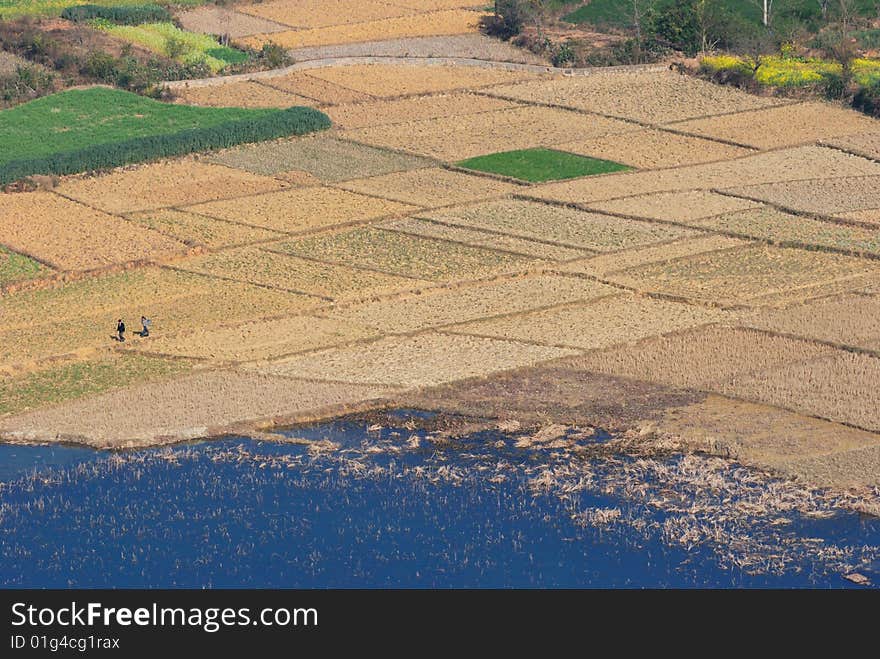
point(145, 325)
point(120, 330)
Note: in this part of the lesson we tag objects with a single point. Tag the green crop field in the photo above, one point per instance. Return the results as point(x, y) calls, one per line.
point(16, 267)
point(93, 128)
point(16, 8)
point(539, 165)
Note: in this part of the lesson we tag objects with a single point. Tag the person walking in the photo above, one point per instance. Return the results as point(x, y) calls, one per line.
point(145, 325)
point(120, 330)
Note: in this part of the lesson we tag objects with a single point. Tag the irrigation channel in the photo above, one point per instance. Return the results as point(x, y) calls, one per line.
point(397, 503)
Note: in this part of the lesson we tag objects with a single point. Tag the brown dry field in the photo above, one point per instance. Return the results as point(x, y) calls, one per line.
point(821, 196)
point(322, 13)
point(458, 138)
point(676, 206)
point(413, 108)
point(864, 144)
point(164, 184)
point(871, 216)
point(45, 226)
point(193, 229)
point(306, 85)
point(219, 20)
point(453, 21)
point(246, 94)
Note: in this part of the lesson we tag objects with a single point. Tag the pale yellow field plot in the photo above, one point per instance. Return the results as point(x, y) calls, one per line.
point(561, 225)
point(186, 408)
point(736, 276)
point(418, 361)
point(865, 144)
point(303, 84)
point(72, 236)
point(322, 13)
point(430, 188)
point(405, 255)
point(864, 284)
point(268, 339)
point(457, 138)
point(413, 108)
point(440, 23)
point(447, 307)
point(199, 230)
point(826, 196)
point(245, 94)
point(389, 80)
point(851, 320)
point(278, 270)
point(841, 387)
point(802, 122)
point(160, 185)
point(698, 359)
point(676, 206)
point(649, 97)
point(784, 165)
point(301, 209)
point(607, 322)
point(651, 149)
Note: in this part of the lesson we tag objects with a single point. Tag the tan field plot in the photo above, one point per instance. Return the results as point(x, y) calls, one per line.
point(649, 97)
point(651, 149)
point(698, 359)
point(389, 80)
point(164, 184)
point(457, 138)
point(321, 91)
point(186, 408)
point(246, 93)
point(321, 13)
point(193, 229)
point(71, 236)
point(327, 159)
point(803, 122)
point(417, 361)
point(446, 307)
point(561, 225)
point(301, 209)
point(736, 276)
point(864, 144)
point(871, 216)
point(405, 255)
point(775, 166)
point(219, 20)
point(676, 206)
point(785, 229)
point(422, 227)
point(852, 320)
point(822, 196)
point(258, 266)
point(430, 187)
point(268, 339)
point(413, 108)
point(607, 322)
point(434, 5)
point(453, 21)
point(841, 387)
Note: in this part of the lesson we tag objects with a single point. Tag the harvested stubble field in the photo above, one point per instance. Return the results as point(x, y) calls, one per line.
point(775, 166)
point(651, 149)
point(278, 270)
point(430, 188)
point(300, 209)
point(699, 359)
point(736, 276)
point(423, 227)
point(871, 216)
point(45, 226)
point(864, 144)
point(453, 21)
point(604, 323)
point(824, 196)
point(268, 339)
point(649, 97)
point(245, 93)
point(219, 20)
point(561, 225)
point(194, 230)
point(405, 255)
point(681, 207)
point(457, 138)
point(418, 361)
point(413, 108)
point(803, 122)
point(16, 267)
point(184, 408)
point(328, 159)
point(442, 307)
point(164, 184)
point(311, 87)
point(322, 13)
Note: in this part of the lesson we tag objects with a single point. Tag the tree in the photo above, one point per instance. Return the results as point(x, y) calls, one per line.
point(766, 7)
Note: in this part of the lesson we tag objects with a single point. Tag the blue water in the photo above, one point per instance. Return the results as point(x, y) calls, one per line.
point(404, 508)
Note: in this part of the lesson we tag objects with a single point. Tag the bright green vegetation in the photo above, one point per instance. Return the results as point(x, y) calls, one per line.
point(79, 379)
point(124, 15)
point(15, 8)
point(169, 40)
point(538, 165)
point(84, 129)
point(17, 267)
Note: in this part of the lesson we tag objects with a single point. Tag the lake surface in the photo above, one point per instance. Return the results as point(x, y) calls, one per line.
point(396, 506)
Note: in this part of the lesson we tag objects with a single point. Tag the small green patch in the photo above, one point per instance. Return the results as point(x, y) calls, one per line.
point(539, 165)
point(75, 380)
point(227, 54)
point(18, 267)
